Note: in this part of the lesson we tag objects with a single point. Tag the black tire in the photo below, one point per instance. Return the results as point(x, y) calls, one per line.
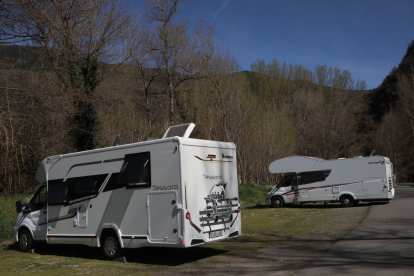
point(25, 240)
point(277, 202)
point(110, 246)
point(347, 201)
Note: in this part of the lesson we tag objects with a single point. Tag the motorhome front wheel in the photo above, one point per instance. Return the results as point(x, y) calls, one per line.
point(25, 240)
point(277, 202)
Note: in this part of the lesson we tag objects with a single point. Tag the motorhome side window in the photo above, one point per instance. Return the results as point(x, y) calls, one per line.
point(57, 190)
point(85, 186)
point(313, 176)
point(136, 170)
point(60, 192)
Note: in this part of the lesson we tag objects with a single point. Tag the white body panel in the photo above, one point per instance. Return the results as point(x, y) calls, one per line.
point(142, 214)
point(363, 178)
point(210, 171)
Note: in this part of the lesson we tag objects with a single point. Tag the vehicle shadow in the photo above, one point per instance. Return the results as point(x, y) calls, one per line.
point(319, 205)
point(145, 255)
point(171, 256)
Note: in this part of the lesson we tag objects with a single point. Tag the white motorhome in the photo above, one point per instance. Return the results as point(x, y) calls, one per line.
point(171, 192)
point(347, 180)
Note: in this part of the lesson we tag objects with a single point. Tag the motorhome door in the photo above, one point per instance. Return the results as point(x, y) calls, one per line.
point(163, 217)
point(295, 188)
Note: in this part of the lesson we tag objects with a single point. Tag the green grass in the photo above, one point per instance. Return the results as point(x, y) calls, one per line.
point(8, 214)
point(253, 195)
point(15, 262)
point(310, 221)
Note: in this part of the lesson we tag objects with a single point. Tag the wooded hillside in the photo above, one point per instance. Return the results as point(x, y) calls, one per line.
point(163, 75)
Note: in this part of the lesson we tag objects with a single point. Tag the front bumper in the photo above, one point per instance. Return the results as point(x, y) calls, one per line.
point(15, 236)
point(268, 198)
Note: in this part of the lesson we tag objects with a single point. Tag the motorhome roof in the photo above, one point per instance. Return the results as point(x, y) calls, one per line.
point(295, 164)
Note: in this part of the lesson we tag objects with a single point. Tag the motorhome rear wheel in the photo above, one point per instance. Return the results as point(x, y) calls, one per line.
point(347, 201)
point(110, 246)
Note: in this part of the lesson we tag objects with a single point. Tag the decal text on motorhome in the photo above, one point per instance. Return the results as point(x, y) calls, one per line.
point(212, 177)
point(165, 188)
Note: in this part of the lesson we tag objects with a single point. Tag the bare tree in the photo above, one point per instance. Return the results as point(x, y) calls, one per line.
point(76, 37)
point(175, 51)
point(142, 52)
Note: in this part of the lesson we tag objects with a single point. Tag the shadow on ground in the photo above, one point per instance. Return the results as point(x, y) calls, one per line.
point(318, 205)
point(145, 255)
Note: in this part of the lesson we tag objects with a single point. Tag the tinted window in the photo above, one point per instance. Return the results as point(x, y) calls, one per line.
point(136, 170)
point(113, 183)
point(287, 180)
point(313, 176)
point(60, 192)
point(57, 190)
point(85, 186)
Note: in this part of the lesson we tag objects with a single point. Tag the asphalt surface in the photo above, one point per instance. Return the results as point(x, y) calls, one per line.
point(382, 244)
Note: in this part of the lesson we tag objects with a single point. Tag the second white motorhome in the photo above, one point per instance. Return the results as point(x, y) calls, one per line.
point(171, 192)
point(347, 180)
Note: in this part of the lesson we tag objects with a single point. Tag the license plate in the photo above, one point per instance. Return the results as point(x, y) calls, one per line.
point(215, 234)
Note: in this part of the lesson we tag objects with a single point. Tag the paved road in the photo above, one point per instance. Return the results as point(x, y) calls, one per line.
point(382, 244)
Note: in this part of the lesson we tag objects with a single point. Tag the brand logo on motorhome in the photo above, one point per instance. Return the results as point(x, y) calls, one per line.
point(226, 156)
point(212, 177)
point(165, 188)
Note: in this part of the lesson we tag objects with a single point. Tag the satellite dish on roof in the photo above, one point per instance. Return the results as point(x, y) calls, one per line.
point(183, 130)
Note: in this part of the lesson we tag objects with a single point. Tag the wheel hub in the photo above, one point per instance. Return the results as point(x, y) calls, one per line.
point(110, 246)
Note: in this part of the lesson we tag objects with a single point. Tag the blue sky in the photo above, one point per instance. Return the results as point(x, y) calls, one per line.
point(367, 37)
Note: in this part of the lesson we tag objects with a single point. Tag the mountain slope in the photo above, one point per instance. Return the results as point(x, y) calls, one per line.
point(386, 95)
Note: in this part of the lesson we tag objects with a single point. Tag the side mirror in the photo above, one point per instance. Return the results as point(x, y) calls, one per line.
point(19, 206)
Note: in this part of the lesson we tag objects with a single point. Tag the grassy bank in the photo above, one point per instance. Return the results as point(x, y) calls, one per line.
point(253, 195)
point(8, 214)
